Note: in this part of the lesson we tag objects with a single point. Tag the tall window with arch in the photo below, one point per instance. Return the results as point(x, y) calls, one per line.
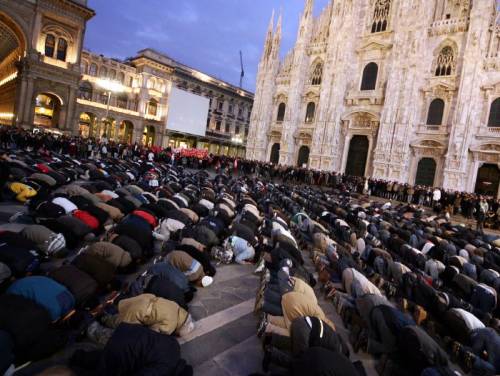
point(369, 79)
point(62, 49)
point(281, 112)
point(381, 15)
point(316, 74)
point(93, 70)
point(84, 66)
point(121, 77)
point(310, 112)
point(85, 91)
point(50, 45)
point(445, 64)
point(494, 118)
point(436, 112)
point(103, 72)
point(152, 107)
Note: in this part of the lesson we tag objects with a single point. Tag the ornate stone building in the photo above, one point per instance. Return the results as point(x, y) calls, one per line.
point(40, 46)
point(48, 81)
point(405, 90)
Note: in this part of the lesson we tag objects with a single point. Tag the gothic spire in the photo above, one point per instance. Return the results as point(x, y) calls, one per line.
point(308, 10)
point(277, 34)
point(268, 45)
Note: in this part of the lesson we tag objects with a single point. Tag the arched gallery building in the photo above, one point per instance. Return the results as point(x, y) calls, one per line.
point(48, 81)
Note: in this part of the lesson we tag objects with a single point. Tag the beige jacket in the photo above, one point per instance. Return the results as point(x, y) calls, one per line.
point(160, 315)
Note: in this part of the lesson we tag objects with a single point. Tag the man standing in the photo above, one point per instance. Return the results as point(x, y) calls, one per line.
point(481, 214)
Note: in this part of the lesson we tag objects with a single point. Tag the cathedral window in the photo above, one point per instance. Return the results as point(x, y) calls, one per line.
point(103, 72)
point(50, 44)
point(310, 112)
point(381, 15)
point(281, 112)
point(316, 74)
point(369, 80)
point(436, 111)
point(494, 119)
point(445, 62)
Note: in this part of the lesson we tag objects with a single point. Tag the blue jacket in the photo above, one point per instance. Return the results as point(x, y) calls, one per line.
point(174, 275)
point(45, 291)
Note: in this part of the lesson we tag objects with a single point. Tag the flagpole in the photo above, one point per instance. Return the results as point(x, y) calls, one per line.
point(242, 70)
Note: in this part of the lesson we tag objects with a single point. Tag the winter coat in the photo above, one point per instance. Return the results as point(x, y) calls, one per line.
point(82, 286)
point(136, 350)
point(47, 241)
point(98, 268)
point(29, 325)
point(174, 275)
point(111, 253)
point(160, 315)
point(56, 298)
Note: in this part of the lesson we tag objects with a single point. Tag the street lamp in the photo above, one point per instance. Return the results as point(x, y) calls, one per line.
point(110, 87)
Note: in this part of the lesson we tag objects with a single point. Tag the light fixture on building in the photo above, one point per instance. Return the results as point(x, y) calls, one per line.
point(6, 115)
point(110, 85)
point(7, 79)
point(237, 140)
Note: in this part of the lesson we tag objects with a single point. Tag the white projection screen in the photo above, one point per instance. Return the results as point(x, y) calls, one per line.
point(187, 113)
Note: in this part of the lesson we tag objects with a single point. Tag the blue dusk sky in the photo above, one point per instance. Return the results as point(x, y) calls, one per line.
point(204, 34)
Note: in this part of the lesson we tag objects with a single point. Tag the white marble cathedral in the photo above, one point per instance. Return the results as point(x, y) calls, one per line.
point(405, 90)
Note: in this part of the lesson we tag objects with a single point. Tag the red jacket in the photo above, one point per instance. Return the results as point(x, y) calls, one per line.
point(151, 219)
point(87, 218)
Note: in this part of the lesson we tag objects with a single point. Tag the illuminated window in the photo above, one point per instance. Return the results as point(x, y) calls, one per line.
point(50, 44)
point(62, 47)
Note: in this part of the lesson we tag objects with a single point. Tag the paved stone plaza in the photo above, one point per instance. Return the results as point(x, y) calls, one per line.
point(224, 342)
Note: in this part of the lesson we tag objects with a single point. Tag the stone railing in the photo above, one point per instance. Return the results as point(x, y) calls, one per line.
point(433, 129)
point(354, 97)
point(104, 106)
point(485, 131)
point(448, 26)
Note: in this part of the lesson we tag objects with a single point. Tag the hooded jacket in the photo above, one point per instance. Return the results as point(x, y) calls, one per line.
point(160, 315)
point(110, 252)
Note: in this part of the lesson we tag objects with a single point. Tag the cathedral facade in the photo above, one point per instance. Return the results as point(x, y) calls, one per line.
point(403, 90)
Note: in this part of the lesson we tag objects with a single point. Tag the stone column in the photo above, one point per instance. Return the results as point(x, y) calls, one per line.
point(345, 153)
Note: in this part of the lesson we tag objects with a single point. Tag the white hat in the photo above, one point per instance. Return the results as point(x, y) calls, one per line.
point(206, 281)
point(187, 327)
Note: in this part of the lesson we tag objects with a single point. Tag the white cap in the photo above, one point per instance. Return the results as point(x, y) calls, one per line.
point(206, 281)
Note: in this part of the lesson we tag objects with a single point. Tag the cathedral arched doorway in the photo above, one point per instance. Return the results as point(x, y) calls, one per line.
point(357, 157)
point(47, 110)
point(303, 158)
point(275, 153)
point(488, 178)
point(426, 172)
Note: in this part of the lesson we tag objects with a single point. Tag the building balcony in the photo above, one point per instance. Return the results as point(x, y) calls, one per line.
point(57, 63)
point(438, 130)
point(103, 106)
point(365, 97)
point(488, 132)
point(449, 26)
point(275, 129)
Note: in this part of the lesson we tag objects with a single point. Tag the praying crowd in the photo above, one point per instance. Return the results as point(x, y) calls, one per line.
point(113, 250)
